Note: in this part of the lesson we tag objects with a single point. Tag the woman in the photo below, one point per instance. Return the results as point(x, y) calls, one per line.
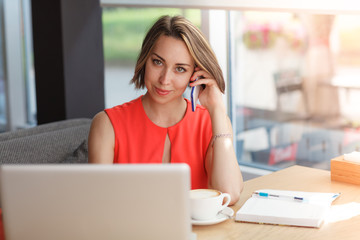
point(160, 126)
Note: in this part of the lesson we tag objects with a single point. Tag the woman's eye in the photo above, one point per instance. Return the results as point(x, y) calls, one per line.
point(157, 62)
point(180, 69)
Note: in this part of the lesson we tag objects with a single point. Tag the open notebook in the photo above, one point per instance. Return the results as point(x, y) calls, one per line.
point(306, 209)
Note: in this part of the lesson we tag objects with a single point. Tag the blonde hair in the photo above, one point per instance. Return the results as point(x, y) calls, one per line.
point(179, 28)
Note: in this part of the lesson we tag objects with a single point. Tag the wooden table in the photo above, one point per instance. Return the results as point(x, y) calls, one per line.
point(343, 222)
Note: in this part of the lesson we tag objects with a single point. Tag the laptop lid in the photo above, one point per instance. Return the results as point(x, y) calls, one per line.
point(96, 201)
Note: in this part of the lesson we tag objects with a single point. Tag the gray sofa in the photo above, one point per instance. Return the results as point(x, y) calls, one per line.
point(57, 142)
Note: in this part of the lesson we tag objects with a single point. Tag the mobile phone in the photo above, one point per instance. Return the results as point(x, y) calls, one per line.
point(194, 96)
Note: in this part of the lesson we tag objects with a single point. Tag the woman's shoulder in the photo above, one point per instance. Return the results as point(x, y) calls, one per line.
point(101, 124)
point(100, 119)
point(126, 113)
point(127, 106)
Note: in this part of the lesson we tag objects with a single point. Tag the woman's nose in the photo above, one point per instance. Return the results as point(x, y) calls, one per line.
point(165, 77)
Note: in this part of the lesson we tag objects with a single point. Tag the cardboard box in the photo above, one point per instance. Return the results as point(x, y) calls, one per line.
point(345, 171)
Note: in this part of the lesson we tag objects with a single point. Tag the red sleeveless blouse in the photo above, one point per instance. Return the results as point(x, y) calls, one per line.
point(139, 140)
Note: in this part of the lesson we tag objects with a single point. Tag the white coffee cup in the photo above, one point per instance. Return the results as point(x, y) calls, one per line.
point(207, 203)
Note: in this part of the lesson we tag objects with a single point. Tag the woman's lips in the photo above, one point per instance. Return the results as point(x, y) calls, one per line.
point(162, 92)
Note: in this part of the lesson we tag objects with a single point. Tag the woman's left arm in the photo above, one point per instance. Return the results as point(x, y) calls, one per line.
point(221, 163)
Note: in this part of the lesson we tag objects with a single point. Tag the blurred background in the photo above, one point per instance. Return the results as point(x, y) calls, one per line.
point(293, 77)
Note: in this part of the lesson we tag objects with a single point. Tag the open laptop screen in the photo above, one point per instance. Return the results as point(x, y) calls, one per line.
point(96, 201)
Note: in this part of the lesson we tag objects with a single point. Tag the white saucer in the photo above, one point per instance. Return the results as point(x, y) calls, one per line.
point(222, 216)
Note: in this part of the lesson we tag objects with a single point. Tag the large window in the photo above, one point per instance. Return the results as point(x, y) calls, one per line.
point(292, 78)
point(17, 85)
point(295, 87)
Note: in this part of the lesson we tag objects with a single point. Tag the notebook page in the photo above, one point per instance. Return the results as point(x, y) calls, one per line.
point(284, 210)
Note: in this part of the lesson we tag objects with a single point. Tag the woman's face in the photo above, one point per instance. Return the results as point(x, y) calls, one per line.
point(168, 69)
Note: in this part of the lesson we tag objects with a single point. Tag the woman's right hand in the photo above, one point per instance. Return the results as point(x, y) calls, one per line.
point(210, 97)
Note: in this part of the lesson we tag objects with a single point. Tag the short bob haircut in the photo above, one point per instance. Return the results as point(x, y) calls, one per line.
point(179, 28)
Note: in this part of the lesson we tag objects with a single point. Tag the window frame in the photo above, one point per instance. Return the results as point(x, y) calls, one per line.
point(15, 93)
point(309, 6)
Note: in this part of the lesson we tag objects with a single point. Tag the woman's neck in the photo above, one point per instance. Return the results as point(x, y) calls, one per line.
point(164, 115)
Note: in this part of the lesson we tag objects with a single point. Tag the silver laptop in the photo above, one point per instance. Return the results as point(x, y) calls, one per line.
point(96, 202)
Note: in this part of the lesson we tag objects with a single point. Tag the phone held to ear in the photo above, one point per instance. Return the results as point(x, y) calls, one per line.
point(194, 95)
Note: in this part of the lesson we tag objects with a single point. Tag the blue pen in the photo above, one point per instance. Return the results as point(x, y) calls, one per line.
point(277, 196)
